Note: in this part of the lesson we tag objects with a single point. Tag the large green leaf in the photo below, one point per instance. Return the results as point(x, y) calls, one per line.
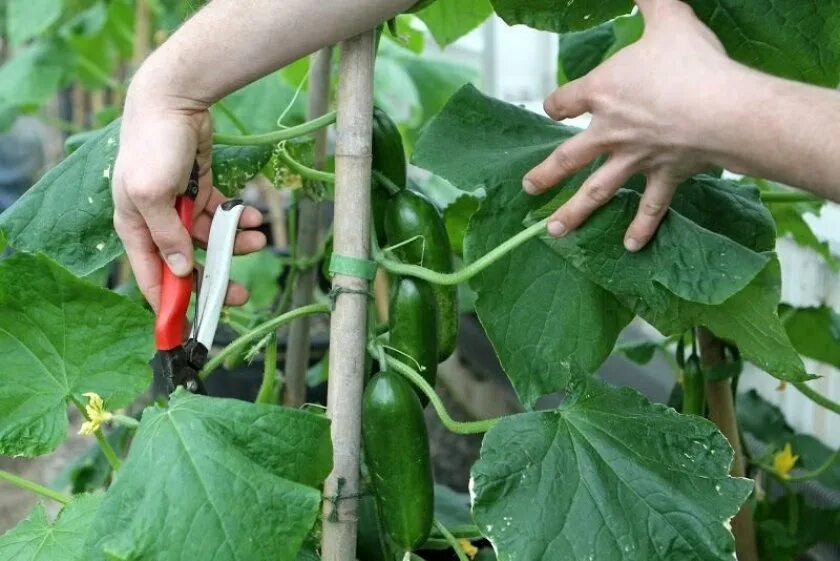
point(683, 259)
point(754, 32)
point(533, 304)
point(607, 476)
point(579, 52)
point(34, 74)
point(449, 20)
point(814, 332)
point(560, 15)
point(67, 214)
point(219, 479)
point(26, 19)
point(60, 337)
point(37, 539)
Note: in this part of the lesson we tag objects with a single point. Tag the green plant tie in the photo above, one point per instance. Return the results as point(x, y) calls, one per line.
point(352, 267)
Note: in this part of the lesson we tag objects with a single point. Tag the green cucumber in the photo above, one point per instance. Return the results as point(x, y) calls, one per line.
point(413, 326)
point(411, 216)
point(387, 149)
point(694, 387)
point(396, 448)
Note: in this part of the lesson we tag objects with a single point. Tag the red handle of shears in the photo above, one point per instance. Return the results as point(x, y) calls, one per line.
point(175, 291)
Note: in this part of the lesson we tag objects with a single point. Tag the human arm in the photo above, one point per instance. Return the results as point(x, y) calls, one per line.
point(673, 104)
point(166, 121)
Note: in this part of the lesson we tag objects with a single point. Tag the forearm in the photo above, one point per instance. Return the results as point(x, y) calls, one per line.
point(230, 43)
point(781, 130)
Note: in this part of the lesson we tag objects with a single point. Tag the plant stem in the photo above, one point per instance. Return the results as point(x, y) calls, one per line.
point(827, 465)
point(274, 137)
point(237, 122)
point(259, 331)
point(348, 331)
point(383, 180)
point(110, 455)
point(302, 170)
point(34, 487)
point(459, 427)
point(452, 541)
point(268, 387)
point(470, 270)
point(817, 397)
point(306, 247)
point(106, 80)
point(722, 413)
point(788, 197)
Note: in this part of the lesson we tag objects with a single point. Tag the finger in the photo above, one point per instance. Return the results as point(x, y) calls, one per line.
point(247, 241)
point(142, 256)
point(652, 209)
point(169, 235)
point(596, 191)
point(567, 101)
point(566, 159)
point(236, 294)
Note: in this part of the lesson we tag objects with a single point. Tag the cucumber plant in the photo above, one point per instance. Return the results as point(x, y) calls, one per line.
point(607, 474)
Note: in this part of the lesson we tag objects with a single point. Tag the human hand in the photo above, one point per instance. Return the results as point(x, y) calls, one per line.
point(160, 137)
point(652, 105)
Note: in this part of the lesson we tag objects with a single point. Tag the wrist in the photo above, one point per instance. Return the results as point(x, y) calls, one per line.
point(161, 83)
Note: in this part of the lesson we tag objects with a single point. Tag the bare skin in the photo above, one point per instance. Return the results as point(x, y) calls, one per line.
point(668, 106)
point(672, 105)
point(166, 122)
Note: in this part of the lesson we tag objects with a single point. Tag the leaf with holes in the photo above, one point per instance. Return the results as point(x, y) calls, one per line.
point(234, 166)
point(60, 337)
point(220, 479)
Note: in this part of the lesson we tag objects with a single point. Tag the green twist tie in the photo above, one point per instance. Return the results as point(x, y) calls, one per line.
point(352, 267)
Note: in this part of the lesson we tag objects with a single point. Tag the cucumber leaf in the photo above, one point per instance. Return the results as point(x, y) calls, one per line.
point(814, 332)
point(234, 166)
point(60, 337)
point(26, 19)
point(594, 480)
point(578, 52)
point(67, 214)
point(37, 539)
point(546, 298)
point(449, 20)
point(210, 478)
point(560, 16)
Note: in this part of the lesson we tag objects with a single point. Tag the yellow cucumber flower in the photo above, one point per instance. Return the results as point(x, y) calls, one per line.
point(784, 461)
point(96, 414)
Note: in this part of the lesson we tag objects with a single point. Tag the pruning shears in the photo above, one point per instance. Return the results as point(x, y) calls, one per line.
point(182, 360)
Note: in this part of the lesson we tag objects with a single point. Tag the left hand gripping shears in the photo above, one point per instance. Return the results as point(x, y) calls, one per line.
point(180, 360)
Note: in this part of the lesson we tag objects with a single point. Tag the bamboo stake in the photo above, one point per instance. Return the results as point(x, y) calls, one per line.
point(142, 33)
point(722, 413)
point(348, 324)
point(297, 359)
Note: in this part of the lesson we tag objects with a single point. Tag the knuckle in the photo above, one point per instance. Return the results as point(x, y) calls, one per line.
point(561, 160)
point(653, 208)
point(597, 193)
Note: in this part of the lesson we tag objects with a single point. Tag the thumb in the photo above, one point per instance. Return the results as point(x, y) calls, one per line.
point(171, 237)
point(649, 8)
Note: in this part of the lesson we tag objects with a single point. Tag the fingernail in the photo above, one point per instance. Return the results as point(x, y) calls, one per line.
point(632, 244)
point(178, 264)
point(556, 229)
point(529, 186)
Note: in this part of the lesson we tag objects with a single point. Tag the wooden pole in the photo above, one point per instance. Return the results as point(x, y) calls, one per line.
point(722, 413)
point(348, 332)
point(309, 227)
point(142, 33)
